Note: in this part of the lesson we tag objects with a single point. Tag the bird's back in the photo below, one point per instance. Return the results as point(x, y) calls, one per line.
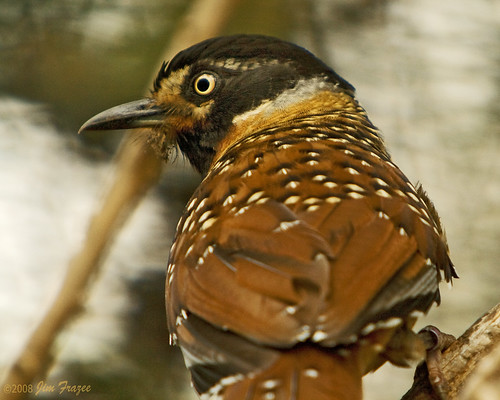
point(307, 240)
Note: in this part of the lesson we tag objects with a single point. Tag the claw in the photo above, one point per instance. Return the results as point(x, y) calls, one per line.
point(436, 342)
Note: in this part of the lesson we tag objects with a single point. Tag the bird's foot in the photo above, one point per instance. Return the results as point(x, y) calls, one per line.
point(436, 342)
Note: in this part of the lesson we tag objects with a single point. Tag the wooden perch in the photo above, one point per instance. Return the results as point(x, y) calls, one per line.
point(471, 365)
point(137, 170)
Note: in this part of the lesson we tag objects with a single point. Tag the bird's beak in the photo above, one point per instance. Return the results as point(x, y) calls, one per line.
point(136, 114)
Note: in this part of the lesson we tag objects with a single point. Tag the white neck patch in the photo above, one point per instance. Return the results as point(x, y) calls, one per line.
point(303, 90)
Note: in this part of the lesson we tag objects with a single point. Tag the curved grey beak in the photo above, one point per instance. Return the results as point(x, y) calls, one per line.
point(136, 114)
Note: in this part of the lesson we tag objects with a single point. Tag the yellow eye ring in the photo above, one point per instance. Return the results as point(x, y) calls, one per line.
point(205, 84)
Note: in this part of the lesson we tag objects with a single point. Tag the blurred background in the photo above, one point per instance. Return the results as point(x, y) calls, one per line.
point(427, 72)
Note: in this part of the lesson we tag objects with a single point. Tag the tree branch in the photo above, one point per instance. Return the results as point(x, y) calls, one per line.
point(137, 170)
point(471, 365)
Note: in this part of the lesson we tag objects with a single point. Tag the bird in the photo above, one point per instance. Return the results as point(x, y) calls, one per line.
point(305, 255)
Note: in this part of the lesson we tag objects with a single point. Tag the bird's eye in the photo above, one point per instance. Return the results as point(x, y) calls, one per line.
point(204, 84)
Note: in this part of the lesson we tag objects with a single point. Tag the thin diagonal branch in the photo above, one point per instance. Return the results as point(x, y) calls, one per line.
point(137, 170)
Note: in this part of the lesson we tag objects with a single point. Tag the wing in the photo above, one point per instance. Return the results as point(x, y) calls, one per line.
point(261, 264)
point(261, 281)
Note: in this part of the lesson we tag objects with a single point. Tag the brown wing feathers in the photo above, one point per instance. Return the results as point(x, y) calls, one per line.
point(283, 273)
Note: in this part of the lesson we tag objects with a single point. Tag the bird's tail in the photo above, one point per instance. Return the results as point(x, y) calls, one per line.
point(303, 373)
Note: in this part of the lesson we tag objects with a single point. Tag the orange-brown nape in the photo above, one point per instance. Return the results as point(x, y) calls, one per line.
point(305, 256)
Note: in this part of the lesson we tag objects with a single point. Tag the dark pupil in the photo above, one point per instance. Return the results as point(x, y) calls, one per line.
point(203, 85)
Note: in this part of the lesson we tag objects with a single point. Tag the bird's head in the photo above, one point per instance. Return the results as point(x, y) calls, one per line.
point(211, 93)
